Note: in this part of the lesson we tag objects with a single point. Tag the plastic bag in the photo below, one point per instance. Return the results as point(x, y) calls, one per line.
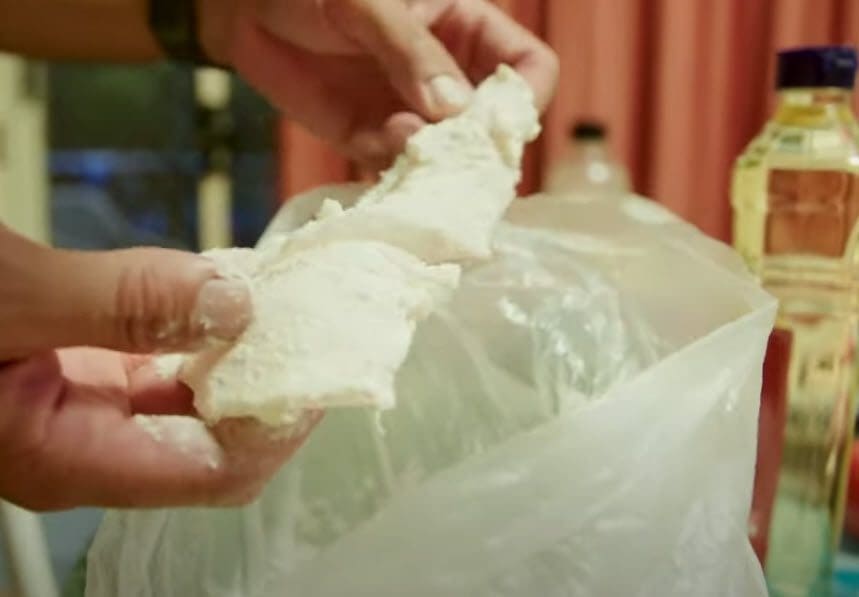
point(581, 420)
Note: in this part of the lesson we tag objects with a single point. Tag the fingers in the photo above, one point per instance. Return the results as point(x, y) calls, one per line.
point(291, 79)
point(137, 300)
point(152, 393)
point(336, 98)
point(177, 461)
point(345, 69)
point(417, 64)
point(373, 149)
point(303, 23)
point(72, 444)
point(400, 126)
point(159, 461)
point(481, 36)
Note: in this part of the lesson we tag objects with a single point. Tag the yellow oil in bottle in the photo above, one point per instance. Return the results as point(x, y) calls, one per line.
point(795, 196)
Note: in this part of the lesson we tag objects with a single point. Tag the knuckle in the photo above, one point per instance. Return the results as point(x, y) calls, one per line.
point(149, 314)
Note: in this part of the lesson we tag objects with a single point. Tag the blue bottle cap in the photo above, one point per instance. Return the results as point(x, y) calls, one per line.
point(821, 66)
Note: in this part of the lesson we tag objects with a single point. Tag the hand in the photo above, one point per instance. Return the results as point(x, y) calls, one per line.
point(366, 74)
point(67, 436)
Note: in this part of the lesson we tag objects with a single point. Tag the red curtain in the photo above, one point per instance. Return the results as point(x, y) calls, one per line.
point(683, 85)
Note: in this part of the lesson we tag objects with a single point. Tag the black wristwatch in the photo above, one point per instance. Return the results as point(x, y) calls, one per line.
point(175, 26)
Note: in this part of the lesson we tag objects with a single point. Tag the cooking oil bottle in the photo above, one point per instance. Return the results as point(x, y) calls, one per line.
point(795, 197)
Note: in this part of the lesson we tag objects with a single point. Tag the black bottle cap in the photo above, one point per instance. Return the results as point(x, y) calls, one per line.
point(820, 66)
point(587, 130)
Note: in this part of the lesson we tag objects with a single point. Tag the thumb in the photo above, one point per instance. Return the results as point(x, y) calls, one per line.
point(136, 300)
point(417, 64)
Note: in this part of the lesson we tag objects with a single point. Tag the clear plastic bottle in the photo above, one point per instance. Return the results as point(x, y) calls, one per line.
point(795, 196)
point(587, 170)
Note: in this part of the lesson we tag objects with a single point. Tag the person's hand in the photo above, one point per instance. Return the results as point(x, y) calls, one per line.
point(67, 436)
point(366, 74)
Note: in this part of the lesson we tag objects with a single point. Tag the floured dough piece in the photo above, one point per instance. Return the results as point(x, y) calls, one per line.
point(188, 435)
point(336, 301)
point(304, 207)
point(444, 195)
point(332, 326)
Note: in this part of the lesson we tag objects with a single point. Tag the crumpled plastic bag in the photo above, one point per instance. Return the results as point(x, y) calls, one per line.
point(581, 420)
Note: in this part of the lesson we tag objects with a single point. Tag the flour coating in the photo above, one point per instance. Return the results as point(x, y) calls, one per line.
point(336, 301)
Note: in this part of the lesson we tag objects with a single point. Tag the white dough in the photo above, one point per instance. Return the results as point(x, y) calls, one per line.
point(336, 301)
point(188, 435)
point(444, 195)
point(331, 327)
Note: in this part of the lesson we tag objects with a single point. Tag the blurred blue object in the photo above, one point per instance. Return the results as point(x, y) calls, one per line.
point(96, 170)
point(846, 578)
point(155, 190)
point(83, 216)
point(96, 165)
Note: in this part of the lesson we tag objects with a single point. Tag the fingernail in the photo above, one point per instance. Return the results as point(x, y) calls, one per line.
point(223, 308)
point(449, 94)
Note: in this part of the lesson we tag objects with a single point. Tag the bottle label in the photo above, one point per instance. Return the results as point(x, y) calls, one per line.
point(811, 212)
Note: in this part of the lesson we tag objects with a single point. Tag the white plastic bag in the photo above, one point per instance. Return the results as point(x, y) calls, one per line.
point(580, 421)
